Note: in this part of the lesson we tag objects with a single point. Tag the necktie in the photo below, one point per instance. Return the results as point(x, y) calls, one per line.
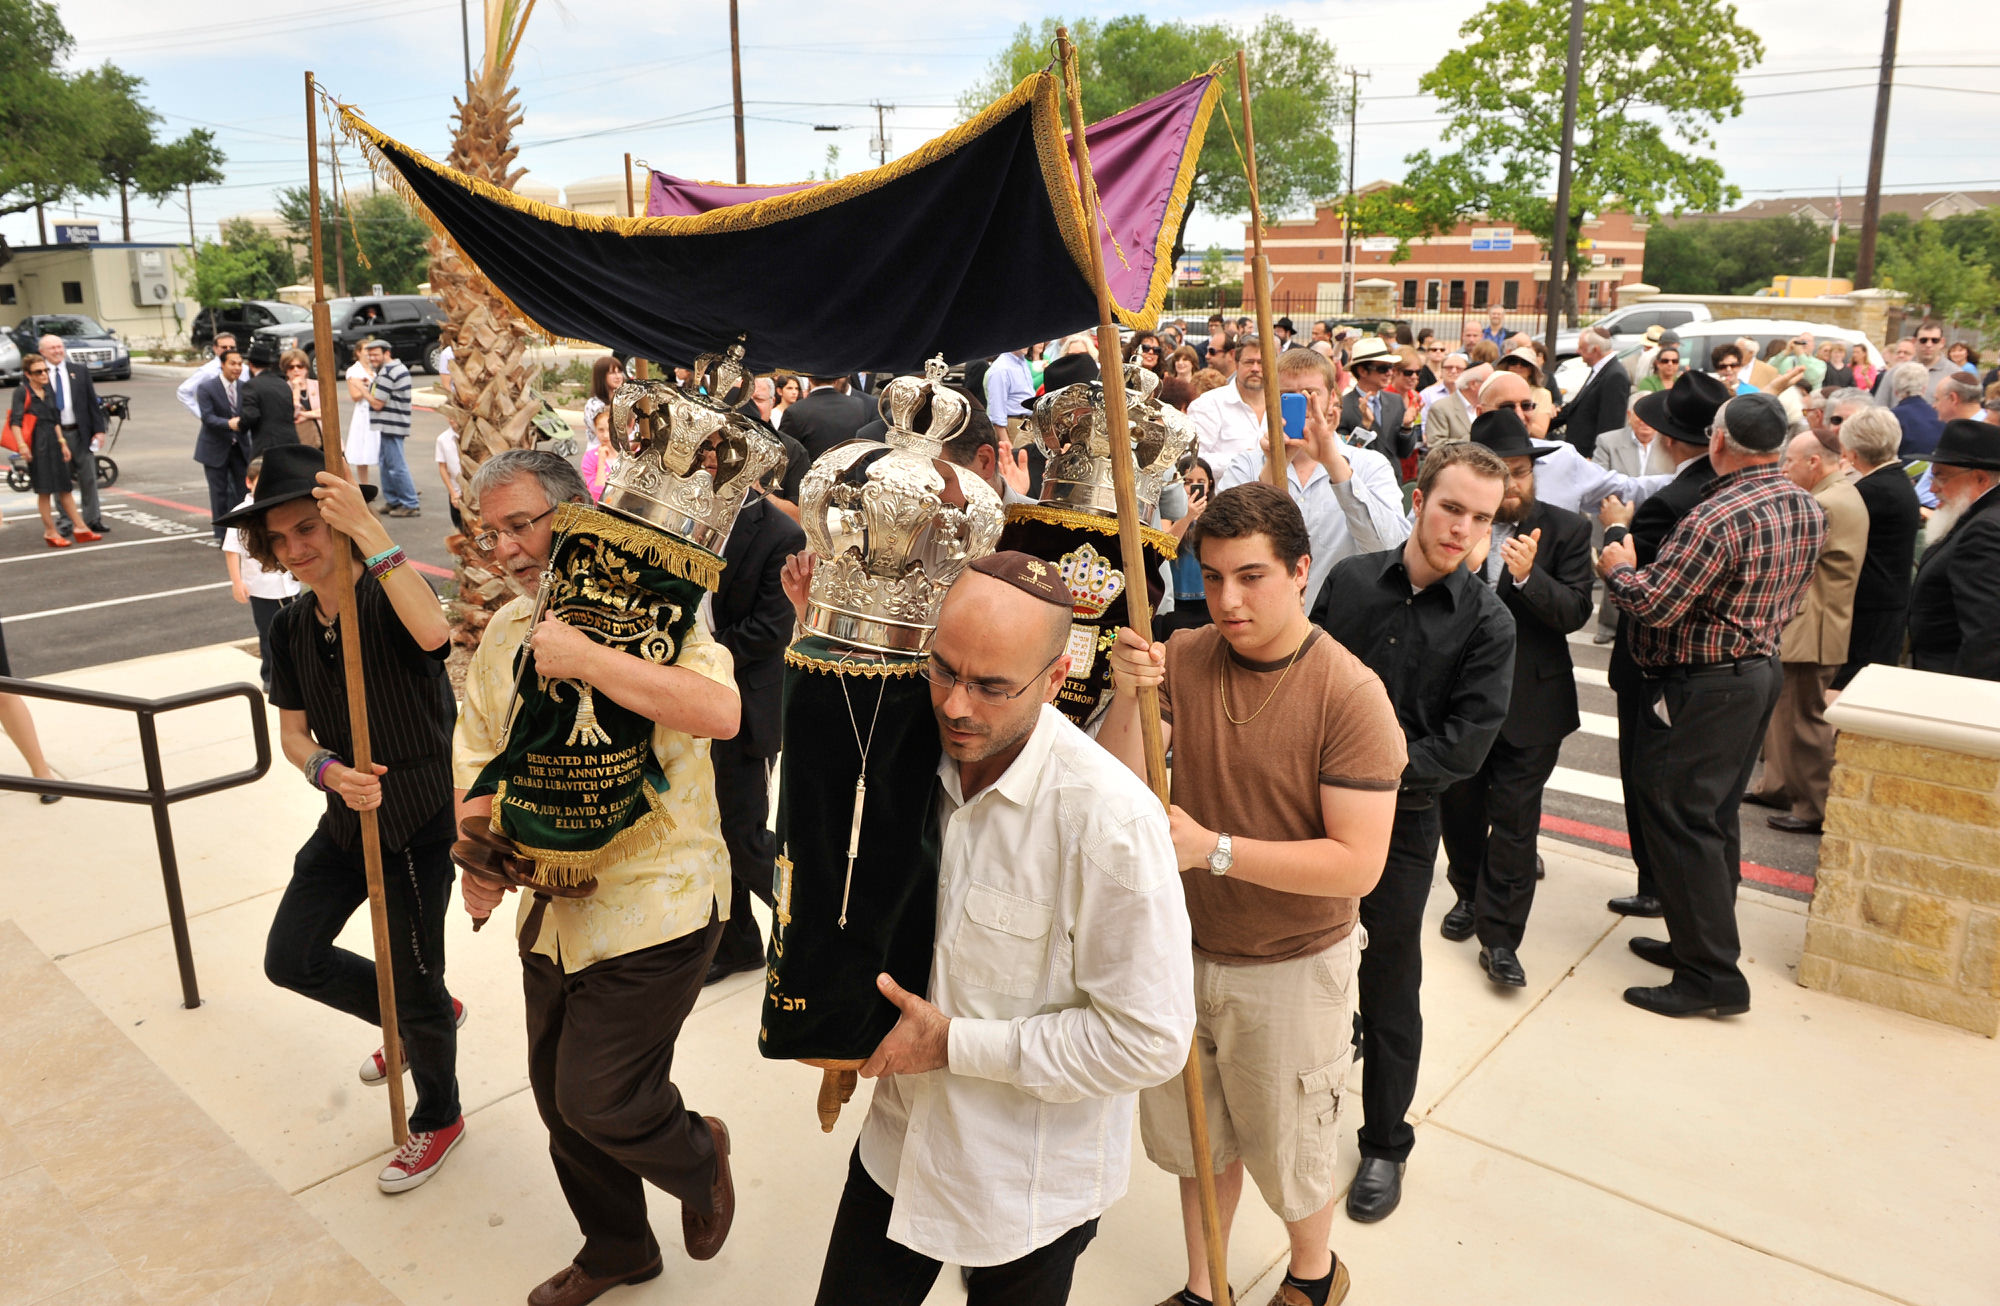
point(62, 392)
point(1375, 407)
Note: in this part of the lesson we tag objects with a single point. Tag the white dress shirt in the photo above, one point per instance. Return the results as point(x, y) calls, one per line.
point(65, 386)
point(185, 390)
point(1363, 514)
point(1227, 424)
point(1065, 961)
point(1567, 479)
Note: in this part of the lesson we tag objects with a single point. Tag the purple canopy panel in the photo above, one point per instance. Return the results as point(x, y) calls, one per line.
point(677, 197)
point(1140, 160)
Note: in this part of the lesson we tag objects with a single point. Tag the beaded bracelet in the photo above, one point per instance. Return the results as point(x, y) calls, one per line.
point(383, 564)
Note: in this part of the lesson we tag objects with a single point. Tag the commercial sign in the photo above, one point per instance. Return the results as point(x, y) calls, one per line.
point(1378, 244)
point(76, 233)
point(1494, 240)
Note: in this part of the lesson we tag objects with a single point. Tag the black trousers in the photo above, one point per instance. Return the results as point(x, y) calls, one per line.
point(864, 1268)
point(83, 466)
point(1688, 773)
point(1392, 972)
point(600, 1061)
point(225, 487)
point(328, 885)
point(1631, 706)
point(1492, 822)
point(743, 801)
point(1877, 635)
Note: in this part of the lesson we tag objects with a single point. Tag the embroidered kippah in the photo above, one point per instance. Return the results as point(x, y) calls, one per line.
point(1026, 573)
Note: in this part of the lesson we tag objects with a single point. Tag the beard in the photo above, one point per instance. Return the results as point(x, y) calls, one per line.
point(1516, 510)
point(989, 739)
point(1943, 519)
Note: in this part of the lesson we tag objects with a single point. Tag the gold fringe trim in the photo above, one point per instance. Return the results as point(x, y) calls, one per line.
point(670, 553)
point(1051, 515)
point(854, 667)
point(568, 867)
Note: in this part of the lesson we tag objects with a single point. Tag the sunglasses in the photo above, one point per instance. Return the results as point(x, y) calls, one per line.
point(1371, 367)
point(1149, 349)
point(1836, 420)
point(1667, 360)
point(1930, 340)
point(1406, 371)
point(1522, 406)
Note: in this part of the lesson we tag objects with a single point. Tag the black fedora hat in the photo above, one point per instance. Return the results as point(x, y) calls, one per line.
point(1503, 431)
point(1966, 443)
point(288, 473)
point(263, 351)
point(1687, 410)
point(1286, 323)
point(1068, 370)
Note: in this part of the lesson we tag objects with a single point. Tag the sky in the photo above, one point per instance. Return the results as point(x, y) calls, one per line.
point(597, 80)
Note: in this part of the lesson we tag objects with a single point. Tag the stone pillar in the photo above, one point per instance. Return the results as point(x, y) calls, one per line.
point(1635, 291)
point(1375, 297)
point(1906, 910)
point(1873, 307)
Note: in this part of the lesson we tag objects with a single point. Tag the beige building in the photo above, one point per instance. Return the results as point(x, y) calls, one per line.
point(135, 289)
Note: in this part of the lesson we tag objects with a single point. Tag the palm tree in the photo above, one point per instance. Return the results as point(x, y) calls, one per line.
point(490, 399)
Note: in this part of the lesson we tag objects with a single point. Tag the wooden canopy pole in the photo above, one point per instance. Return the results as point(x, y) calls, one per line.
point(639, 368)
point(1260, 279)
point(1139, 614)
point(350, 647)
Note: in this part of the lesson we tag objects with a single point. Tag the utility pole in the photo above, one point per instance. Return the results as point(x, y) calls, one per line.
point(1833, 243)
point(736, 89)
point(1559, 243)
point(881, 142)
point(465, 35)
point(1354, 77)
point(1871, 208)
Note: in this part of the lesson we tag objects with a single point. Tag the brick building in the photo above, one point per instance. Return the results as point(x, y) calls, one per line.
point(1478, 266)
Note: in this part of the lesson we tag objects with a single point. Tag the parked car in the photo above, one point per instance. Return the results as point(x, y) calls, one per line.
point(1674, 315)
point(1700, 339)
point(10, 361)
point(411, 324)
point(88, 342)
point(240, 317)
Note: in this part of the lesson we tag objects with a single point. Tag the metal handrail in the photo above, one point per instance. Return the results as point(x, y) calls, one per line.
point(156, 794)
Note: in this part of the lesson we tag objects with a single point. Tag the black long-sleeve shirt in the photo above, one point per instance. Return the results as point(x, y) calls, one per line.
point(1445, 653)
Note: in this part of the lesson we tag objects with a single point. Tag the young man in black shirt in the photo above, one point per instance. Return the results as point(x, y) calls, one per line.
point(1443, 644)
point(404, 638)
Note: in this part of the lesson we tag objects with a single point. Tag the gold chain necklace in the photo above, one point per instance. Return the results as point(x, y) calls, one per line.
point(1224, 681)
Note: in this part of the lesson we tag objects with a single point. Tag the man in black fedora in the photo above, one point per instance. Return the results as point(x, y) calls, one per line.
point(1955, 602)
point(289, 525)
point(1682, 416)
point(1538, 563)
point(270, 413)
point(1283, 331)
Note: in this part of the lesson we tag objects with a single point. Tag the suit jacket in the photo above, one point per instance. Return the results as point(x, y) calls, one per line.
point(826, 418)
point(1819, 632)
point(753, 619)
point(212, 447)
point(84, 406)
point(1619, 451)
point(1600, 405)
point(1894, 518)
point(270, 413)
point(1552, 602)
point(1391, 440)
point(1921, 427)
point(1955, 600)
point(1446, 420)
point(1652, 522)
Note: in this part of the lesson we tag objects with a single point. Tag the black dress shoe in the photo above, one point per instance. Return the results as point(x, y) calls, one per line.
point(1541, 869)
point(1673, 1000)
point(1657, 951)
point(1503, 967)
point(1457, 923)
point(1639, 904)
point(1757, 799)
point(1377, 1190)
point(723, 967)
point(99, 527)
point(1792, 824)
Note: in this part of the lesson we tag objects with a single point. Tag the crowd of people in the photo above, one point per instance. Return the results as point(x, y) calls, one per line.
point(1355, 673)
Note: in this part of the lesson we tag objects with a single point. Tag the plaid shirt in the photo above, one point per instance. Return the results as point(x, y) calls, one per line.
point(1731, 575)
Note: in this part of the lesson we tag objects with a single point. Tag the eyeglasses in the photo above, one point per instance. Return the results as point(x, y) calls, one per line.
point(1521, 406)
point(993, 694)
point(487, 541)
point(1930, 340)
point(38, 371)
point(1729, 366)
point(1433, 349)
point(1666, 360)
point(1406, 371)
point(1149, 349)
point(1836, 419)
point(295, 367)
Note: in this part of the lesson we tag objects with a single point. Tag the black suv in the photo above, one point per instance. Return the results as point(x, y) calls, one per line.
point(240, 317)
point(409, 323)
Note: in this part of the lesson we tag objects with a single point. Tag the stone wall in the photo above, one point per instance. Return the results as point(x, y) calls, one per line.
point(1907, 909)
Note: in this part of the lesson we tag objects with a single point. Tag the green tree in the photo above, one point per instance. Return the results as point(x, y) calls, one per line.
point(1214, 266)
point(392, 238)
point(50, 126)
point(127, 140)
point(1122, 61)
point(216, 272)
point(1733, 257)
point(181, 165)
point(1941, 281)
point(1657, 75)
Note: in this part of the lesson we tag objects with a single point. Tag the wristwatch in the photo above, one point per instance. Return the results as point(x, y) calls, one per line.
point(1223, 857)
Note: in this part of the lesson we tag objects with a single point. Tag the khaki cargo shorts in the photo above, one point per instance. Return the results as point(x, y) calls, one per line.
point(1275, 1042)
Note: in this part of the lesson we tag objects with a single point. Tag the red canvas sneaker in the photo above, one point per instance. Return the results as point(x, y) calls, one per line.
point(375, 1066)
point(420, 1157)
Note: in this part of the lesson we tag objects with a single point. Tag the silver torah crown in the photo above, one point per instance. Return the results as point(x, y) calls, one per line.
point(892, 524)
point(664, 485)
point(1071, 428)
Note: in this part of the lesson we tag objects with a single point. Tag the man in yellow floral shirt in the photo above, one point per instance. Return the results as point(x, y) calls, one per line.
point(610, 977)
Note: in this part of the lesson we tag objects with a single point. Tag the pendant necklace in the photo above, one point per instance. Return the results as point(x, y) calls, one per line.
point(1223, 680)
point(860, 781)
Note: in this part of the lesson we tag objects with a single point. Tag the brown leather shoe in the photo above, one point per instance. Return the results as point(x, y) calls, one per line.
point(1287, 1295)
point(704, 1234)
point(570, 1286)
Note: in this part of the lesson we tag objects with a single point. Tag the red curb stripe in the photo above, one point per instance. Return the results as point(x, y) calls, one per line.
point(1598, 834)
point(422, 568)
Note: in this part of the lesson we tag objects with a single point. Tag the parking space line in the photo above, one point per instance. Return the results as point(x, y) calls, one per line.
point(112, 603)
point(90, 549)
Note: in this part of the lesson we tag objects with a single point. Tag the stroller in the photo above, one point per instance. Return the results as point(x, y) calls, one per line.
point(116, 409)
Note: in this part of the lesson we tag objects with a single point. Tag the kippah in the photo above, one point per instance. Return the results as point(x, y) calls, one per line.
point(1027, 573)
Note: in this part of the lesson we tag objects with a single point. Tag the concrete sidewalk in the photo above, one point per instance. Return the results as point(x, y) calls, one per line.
point(1571, 1149)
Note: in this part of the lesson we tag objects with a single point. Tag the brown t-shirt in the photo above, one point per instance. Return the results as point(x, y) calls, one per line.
point(1328, 723)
